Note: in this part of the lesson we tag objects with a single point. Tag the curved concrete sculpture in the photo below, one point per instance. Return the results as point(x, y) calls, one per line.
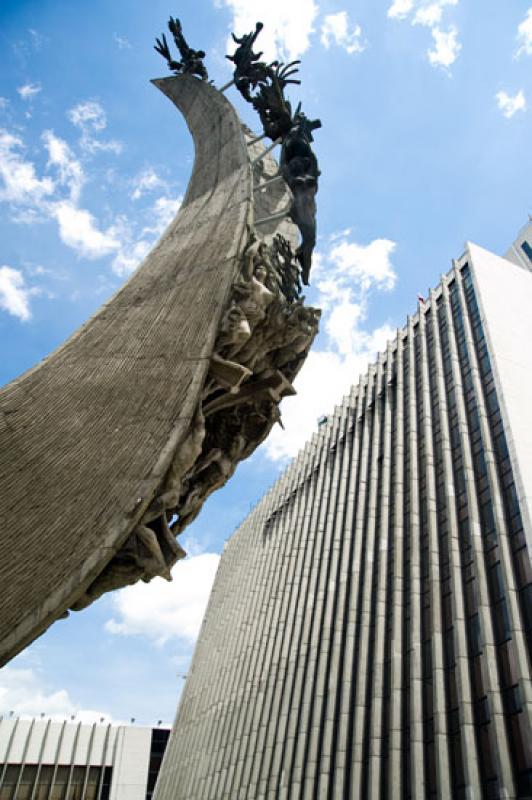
point(109, 447)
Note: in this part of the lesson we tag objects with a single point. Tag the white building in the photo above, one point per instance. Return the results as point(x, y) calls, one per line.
point(45, 760)
point(521, 250)
point(369, 631)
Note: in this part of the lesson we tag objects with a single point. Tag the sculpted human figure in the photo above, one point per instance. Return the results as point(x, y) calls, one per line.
point(303, 213)
point(145, 555)
point(191, 60)
point(223, 371)
point(186, 456)
point(267, 260)
point(256, 254)
point(254, 297)
point(300, 337)
point(299, 167)
point(223, 451)
point(235, 329)
point(255, 347)
point(249, 70)
point(262, 294)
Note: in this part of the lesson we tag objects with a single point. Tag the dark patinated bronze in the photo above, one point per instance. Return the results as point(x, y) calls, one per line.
point(263, 85)
point(191, 60)
point(300, 170)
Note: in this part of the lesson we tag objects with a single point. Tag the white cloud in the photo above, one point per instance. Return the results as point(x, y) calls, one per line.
point(134, 249)
point(400, 9)
point(89, 114)
point(78, 230)
point(287, 25)
point(122, 42)
point(22, 692)
point(524, 35)
point(162, 213)
point(446, 47)
point(19, 182)
point(509, 105)
point(325, 378)
point(34, 199)
point(29, 90)
point(41, 200)
point(92, 145)
point(429, 14)
point(335, 28)
point(368, 265)
point(69, 168)
point(3, 102)
point(130, 256)
point(14, 294)
point(146, 181)
point(37, 39)
point(90, 117)
point(342, 326)
point(161, 610)
point(344, 277)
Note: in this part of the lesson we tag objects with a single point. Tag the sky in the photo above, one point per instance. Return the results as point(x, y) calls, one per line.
point(425, 144)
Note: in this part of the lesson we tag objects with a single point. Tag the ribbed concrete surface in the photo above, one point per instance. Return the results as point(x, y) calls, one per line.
point(368, 633)
point(87, 435)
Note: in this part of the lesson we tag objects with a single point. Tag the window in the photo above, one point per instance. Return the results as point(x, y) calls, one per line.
point(474, 635)
point(502, 622)
point(526, 605)
point(496, 582)
point(482, 711)
point(448, 644)
point(158, 746)
point(525, 247)
point(513, 703)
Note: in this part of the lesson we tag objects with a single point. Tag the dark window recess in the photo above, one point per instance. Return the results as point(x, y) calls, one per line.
point(159, 740)
point(496, 582)
point(510, 495)
point(454, 721)
point(492, 789)
point(526, 605)
point(448, 643)
point(482, 711)
point(502, 622)
point(474, 634)
point(511, 697)
point(106, 783)
point(527, 249)
point(49, 783)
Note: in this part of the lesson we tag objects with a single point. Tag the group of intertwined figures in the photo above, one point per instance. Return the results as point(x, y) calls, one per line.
point(263, 85)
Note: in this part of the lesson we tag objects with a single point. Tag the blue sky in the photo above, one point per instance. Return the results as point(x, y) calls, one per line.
point(425, 144)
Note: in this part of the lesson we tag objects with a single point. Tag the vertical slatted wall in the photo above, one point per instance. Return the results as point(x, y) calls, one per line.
point(368, 633)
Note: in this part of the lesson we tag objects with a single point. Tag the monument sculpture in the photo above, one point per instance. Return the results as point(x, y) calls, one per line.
point(111, 445)
point(299, 165)
point(191, 60)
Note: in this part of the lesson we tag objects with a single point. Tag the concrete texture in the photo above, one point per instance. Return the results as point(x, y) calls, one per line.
point(86, 435)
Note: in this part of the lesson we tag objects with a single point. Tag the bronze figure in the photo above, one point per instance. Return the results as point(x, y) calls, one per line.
point(191, 60)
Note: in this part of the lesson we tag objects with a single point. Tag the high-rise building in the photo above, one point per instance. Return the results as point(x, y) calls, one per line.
point(369, 630)
point(521, 250)
point(43, 759)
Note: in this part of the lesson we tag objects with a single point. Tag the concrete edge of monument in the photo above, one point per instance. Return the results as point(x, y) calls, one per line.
point(369, 629)
point(111, 445)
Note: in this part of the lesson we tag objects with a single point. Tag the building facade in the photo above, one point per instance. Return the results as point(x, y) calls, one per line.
point(369, 631)
point(520, 251)
point(45, 760)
